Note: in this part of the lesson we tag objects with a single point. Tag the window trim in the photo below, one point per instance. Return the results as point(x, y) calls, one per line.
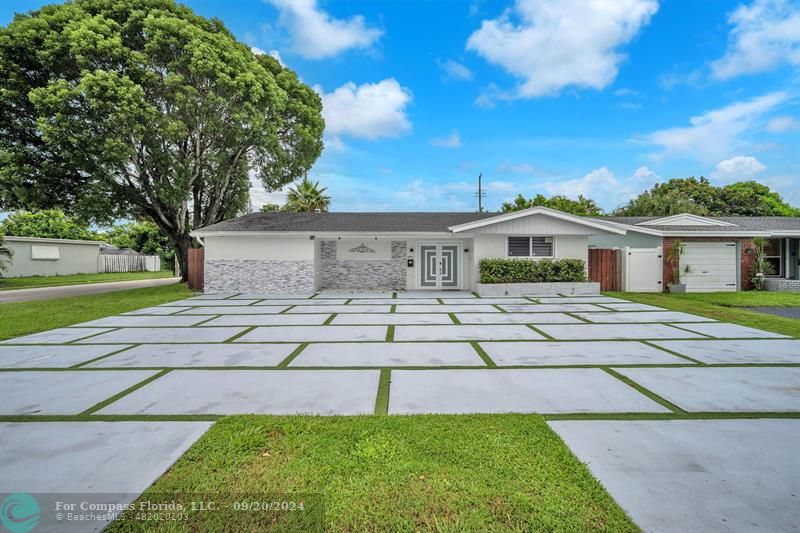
point(530, 247)
point(780, 257)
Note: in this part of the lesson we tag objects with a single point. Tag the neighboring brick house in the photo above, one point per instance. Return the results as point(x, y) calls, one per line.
point(719, 249)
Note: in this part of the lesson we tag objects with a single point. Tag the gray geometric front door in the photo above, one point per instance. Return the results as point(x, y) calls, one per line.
point(439, 266)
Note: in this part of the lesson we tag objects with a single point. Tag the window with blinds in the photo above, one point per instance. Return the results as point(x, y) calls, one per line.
point(530, 246)
point(542, 246)
point(519, 246)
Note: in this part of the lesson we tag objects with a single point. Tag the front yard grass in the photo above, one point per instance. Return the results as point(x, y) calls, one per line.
point(399, 473)
point(32, 282)
point(727, 306)
point(24, 318)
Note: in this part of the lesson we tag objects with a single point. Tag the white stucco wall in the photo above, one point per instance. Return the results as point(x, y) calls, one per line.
point(74, 257)
point(259, 247)
point(493, 246)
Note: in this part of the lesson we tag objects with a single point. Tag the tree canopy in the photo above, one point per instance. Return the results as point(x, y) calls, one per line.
point(582, 206)
point(48, 224)
point(142, 109)
point(700, 197)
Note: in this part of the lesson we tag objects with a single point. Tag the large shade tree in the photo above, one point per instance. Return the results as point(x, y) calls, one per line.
point(141, 108)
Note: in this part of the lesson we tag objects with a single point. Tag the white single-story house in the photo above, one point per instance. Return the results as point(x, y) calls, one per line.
point(304, 252)
point(35, 256)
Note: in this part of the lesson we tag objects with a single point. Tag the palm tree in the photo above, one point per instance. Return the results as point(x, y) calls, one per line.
point(5, 256)
point(307, 197)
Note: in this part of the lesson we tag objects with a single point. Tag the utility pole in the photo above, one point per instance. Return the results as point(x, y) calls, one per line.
point(480, 194)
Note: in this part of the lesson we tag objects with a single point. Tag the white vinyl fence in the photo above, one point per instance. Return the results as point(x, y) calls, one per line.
point(129, 263)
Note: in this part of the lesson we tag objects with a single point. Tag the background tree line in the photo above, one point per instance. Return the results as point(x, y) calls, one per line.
point(678, 195)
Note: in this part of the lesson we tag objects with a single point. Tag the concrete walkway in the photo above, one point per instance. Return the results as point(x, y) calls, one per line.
point(48, 293)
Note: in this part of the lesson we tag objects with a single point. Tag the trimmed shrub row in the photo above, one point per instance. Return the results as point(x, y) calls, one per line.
point(532, 271)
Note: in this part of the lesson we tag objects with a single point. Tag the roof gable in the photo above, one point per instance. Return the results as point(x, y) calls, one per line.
point(505, 223)
point(685, 219)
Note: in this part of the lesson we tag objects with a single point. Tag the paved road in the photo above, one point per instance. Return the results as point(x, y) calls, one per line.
point(788, 312)
point(48, 293)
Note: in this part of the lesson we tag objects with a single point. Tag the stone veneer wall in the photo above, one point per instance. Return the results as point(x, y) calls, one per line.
point(259, 275)
point(782, 285)
point(350, 274)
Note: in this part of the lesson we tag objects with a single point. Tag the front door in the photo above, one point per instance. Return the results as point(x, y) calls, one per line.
point(439, 265)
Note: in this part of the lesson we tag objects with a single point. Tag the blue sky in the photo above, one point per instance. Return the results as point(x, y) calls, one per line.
point(601, 98)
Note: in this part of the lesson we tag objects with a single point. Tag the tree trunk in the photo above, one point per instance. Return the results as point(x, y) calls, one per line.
point(182, 243)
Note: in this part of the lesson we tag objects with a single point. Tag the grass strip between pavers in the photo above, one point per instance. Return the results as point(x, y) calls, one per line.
point(454, 318)
point(108, 401)
point(382, 397)
point(698, 415)
point(483, 355)
point(390, 333)
point(672, 352)
point(291, 357)
point(115, 352)
point(329, 319)
point(647, 392)
point(238, 335)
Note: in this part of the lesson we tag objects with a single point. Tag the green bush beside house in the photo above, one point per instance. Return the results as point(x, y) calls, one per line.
point(528, 271)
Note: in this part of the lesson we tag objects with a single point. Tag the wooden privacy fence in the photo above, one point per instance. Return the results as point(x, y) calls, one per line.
point(196, 268)
point(603, 268)
point(129, 263)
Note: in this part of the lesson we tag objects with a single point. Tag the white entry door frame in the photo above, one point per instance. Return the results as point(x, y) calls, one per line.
point(439, 265)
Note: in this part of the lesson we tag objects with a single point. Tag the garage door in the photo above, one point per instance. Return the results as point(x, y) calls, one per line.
point(713, 266)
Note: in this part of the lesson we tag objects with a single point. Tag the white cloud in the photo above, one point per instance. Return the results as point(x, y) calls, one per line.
point(453, 70)
point(605, 188)
point(627, 92)
point(715, 134)
point(451, 141)
point(552, 45)
point(368, 111)
point(260, 196)
point(490, 95)
point(781, 124)
point(317, 35)
point(272, 53)
point(738, 168)
point(765, 34)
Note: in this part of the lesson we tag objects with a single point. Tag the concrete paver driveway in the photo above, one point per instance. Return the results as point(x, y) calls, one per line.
point(445, 352)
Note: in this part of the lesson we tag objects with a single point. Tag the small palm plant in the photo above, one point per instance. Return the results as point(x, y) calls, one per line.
point(307, 197)
point(674, 254)
point(6, 254)
point(761, 267)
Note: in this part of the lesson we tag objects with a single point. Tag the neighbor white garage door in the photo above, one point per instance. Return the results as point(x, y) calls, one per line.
point(713, 266)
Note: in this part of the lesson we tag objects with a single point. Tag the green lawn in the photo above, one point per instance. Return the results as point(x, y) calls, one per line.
point(421, 473)
point(32, 282)
point(24, 318)
point(727, 306)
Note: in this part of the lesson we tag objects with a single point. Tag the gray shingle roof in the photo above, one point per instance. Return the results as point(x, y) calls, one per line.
point(441, 221)
point(742, 224)
point(356, 222)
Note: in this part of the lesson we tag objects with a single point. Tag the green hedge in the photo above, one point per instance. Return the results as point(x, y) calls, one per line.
point(532, 271)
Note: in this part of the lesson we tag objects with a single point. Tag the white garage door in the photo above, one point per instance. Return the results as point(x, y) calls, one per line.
point(713, 266)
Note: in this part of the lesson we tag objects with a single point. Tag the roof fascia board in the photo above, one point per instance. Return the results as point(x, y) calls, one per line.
point(12, 238)
point(536, 211)
point(234, 233)
point(665, 221)
point(717, 233)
